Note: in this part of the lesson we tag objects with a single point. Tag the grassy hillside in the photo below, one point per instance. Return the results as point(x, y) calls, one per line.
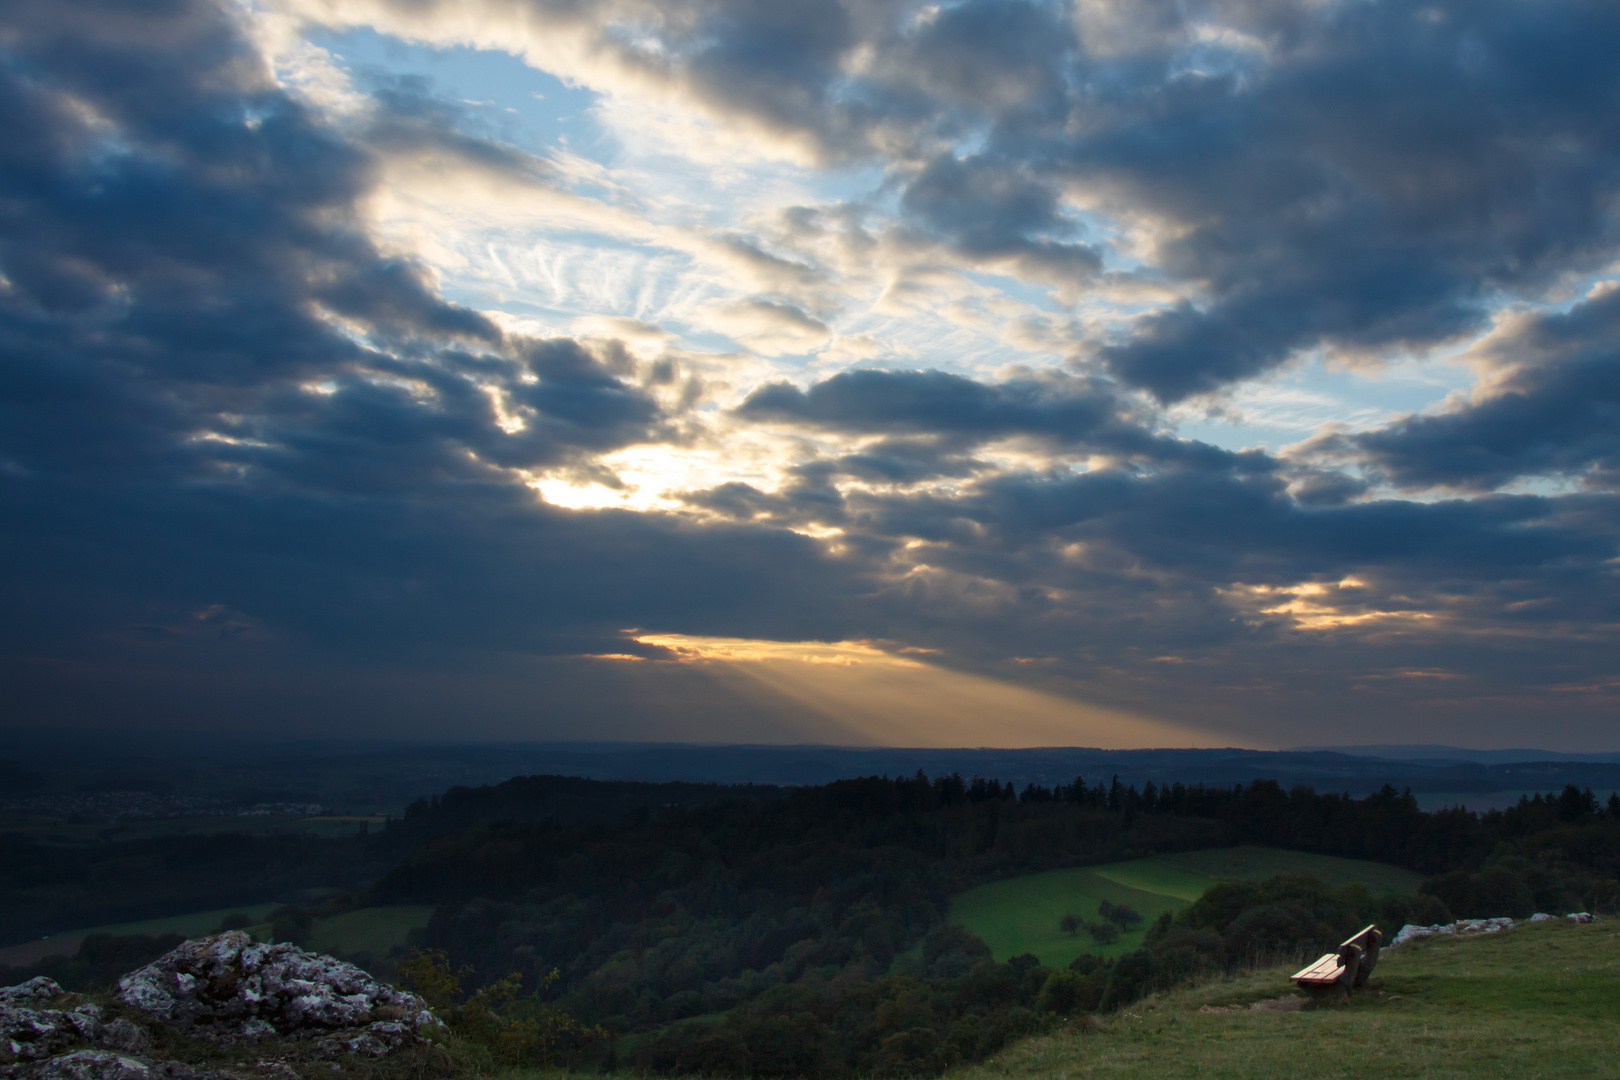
point(1021, 915)
point(369, 932)
point(1250, 863)
point(1536, 1001)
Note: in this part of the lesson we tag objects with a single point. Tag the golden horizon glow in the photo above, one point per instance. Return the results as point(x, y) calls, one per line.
point(867, 692)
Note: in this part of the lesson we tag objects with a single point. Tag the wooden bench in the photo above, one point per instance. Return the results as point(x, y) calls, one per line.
point(1343, 970)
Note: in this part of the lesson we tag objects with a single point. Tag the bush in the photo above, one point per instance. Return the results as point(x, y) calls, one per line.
point(513, 1028)
point(1069, 992)
point(1119, 913)
point(1103, 933)
point(292, 924)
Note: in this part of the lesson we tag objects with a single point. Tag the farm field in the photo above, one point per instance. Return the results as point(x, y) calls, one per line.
point(1021, 915)
point(59, 832)
point(1535, 1001)
point(1250, 863)
point(372, 931)
point(195, 924)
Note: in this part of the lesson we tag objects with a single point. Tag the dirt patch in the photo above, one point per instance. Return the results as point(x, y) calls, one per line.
point(1286, 1003)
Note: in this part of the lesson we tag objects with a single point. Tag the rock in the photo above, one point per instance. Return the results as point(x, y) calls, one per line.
point(92, 1065)
point(1581, 917)
point(231, 988)
point(29, 1034)
point(1461, 926)
point(36, 991)
point(123, 1035)
point(33, 1034)
point(224, 989)
point(104, 1065)
point(1540, 916)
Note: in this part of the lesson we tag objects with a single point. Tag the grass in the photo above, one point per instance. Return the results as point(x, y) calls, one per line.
point(196, 924)
point(1536, 1001)
point(1248, 863)
point(1021, 915)
point(373, 930)
point(58, 831)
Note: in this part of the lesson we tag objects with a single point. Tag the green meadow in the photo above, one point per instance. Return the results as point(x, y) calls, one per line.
point(1537, 1001)
point(1021, 915)
point(372, 931)
point(196, 924)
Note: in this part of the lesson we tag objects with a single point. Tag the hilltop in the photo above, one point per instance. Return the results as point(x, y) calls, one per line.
point(1535, 1001)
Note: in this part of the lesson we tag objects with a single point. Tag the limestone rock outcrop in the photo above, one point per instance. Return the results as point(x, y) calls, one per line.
point(231, 988)
point(224, 990)
point(31, 1031)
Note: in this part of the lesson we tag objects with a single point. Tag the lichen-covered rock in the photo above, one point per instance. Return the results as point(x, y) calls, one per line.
point(105, 1065)
point(33, 1034)
point(231, 988)
point(1461, 926)
point(36, 991)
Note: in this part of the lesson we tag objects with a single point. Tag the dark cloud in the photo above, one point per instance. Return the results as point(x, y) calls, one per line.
point(1554, 412)
point(1386, 171)
point(939, 402)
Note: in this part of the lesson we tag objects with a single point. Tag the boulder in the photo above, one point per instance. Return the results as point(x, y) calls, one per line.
point(1461, 926)
point(34, 1034)
point(104, 1065)
point(230, 988)
point(36, 991)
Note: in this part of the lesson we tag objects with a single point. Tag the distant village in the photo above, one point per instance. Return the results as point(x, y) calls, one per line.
point(111, 806)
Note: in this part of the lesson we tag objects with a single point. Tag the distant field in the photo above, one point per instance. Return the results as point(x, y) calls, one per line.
point(195, 924)
point(1248, 863)
point(369, 930)
point(1021, 915)
point(1538, 1001)
point(57, 831)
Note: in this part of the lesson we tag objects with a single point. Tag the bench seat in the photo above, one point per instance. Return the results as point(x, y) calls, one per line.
point(1325, 972)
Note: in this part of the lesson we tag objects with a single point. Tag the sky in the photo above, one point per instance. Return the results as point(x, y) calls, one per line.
point(994, 373)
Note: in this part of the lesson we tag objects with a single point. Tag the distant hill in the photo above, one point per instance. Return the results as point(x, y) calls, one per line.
point(1429, 754)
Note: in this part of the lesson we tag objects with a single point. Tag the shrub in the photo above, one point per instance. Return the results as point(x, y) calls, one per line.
point(1119, 913)
point(1104, 933)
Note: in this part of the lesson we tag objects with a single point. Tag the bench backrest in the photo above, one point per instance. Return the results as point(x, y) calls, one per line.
point(1362, 938)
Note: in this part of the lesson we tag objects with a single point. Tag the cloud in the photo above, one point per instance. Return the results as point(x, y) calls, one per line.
point(770, 327)
point(942, 403)
point(230, 386)
point(1551, 409)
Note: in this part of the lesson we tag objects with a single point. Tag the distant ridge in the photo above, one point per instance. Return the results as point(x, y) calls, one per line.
point(1429, 754)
